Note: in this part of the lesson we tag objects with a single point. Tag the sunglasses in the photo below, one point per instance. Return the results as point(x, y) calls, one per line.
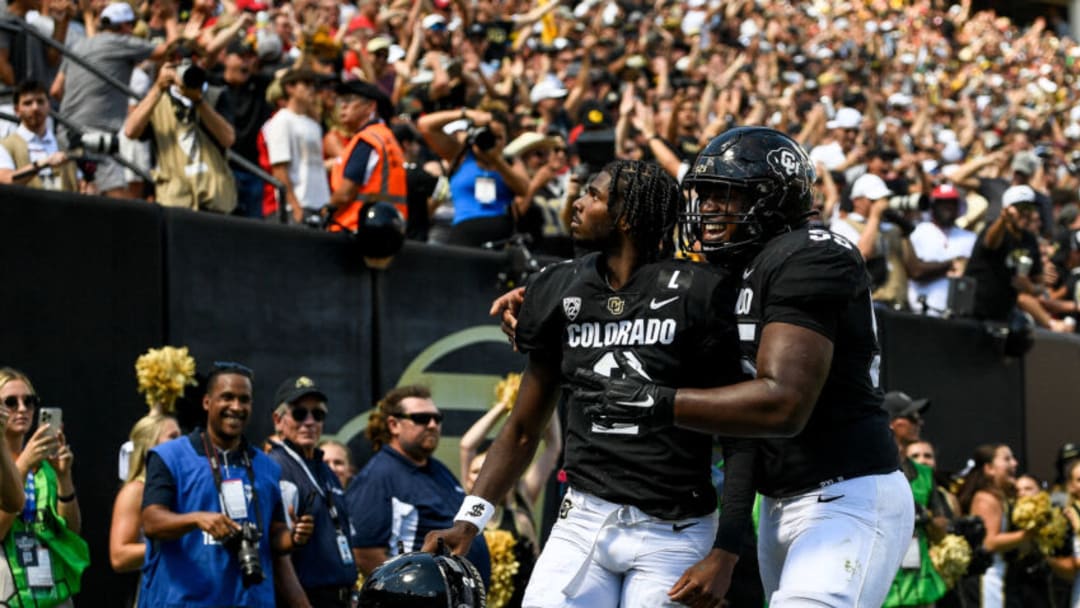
point(30, 401)
point(422, 419)
point(300, 414)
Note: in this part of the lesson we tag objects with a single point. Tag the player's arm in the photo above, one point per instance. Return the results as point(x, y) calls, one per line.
point(792, 365)
point(510, 454)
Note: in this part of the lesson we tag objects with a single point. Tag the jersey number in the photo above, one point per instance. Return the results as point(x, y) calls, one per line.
point(607, 366)
point(746, 297)
point(818, 235)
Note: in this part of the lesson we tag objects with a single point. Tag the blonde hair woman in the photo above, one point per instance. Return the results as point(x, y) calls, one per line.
point(127, 549)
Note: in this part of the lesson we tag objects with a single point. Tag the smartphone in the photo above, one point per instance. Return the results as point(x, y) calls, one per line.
point(52, 416)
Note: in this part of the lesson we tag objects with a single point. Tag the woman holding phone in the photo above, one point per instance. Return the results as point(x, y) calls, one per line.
point(49, 523)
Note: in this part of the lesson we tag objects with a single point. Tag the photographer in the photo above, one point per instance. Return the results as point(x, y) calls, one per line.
point(31, 156)
point(483, 186)
point(212, 508)
point(189, 138)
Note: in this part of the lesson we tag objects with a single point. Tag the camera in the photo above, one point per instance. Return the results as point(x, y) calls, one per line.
point(481, 137)
point(245, 544)
point(94, 142)
point(191, 76)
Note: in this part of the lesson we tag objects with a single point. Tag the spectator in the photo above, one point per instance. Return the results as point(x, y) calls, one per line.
point(544, 160)
point(325, 566)
point(1072, 513)
point(204, 494)
point(986, 492)
point(127, 545)
point(422, 181)
point(403, 492)
point(923, 452)
point(294, 145)
point(372, 166)
point(93, 104)
point(917, 583)
point(31, 155)
point(190, 139)
point(1007, 265)
point(45, 557)
point(939, 241)
point(339, 458)
point(243, 85)
point(24, 58)
point(880, 243)
point(483, 186)
point(11, 495)
point(1065, 300)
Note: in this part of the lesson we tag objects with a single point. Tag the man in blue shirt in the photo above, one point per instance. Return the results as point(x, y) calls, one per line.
point(325, 565)
point(403, 492)
point(200, 491)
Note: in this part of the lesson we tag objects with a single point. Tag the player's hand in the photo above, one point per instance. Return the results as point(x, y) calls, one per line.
point(630, 399)
point(217, 525)
point(506, 307)
point(705, 584)
point(458, 539)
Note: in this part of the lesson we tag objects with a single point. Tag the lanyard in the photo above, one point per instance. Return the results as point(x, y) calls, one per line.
point(312, 478)
point(30, 507)
point(211, 457)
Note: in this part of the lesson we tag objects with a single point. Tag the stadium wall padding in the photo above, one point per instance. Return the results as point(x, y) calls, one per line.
point(91, 283)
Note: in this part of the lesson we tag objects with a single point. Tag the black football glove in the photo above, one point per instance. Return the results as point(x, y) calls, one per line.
point(632, 399)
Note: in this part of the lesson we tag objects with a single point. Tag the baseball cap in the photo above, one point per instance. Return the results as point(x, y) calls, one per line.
point(870, 186)
point(378, 43)
point(1018, 195)
point(527, 142)
point(292, 389)
point(546, 89)
point(846, 118)
point(118, 12)
point(434, 22)
point(945, 192)
point(251, 6)
point(952, 152)
point(368, 90)
point(1025, 162)
point(899, 404)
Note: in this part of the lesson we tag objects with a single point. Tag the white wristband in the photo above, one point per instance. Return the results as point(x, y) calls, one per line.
point(476, 511)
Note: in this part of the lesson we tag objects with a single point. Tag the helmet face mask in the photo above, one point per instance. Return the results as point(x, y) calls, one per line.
point(748, 185)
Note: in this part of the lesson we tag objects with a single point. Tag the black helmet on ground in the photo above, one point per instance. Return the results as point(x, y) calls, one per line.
point(748, 185)
point(424, 580)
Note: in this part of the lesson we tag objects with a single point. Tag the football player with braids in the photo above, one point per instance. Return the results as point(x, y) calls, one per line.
point(639, 524)
point(837, 514)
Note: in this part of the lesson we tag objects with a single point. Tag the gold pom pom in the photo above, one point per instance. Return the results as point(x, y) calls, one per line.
point(1036, 513)
point(162, 374)
point(503, 567)
point(506, 390)
point(950, 558)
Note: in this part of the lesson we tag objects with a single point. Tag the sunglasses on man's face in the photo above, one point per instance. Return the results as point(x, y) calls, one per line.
point(30, 401)
point(300, 414)
point(422, 419)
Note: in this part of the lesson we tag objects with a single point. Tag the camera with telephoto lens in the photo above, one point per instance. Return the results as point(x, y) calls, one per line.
point(191, 76)
point(481, 137)
point(94, 142)
point(245, 544)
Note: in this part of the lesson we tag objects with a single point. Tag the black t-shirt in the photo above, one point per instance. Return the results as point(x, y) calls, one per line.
point(994, 269)
point(419, 186)
point(817, 280)
point(250, 112)
point(673, 319)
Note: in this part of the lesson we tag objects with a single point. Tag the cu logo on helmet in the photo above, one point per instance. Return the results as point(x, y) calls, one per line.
point(784, 161)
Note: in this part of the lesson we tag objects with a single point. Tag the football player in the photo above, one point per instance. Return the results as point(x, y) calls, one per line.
point(837, 515)
point(639, 525)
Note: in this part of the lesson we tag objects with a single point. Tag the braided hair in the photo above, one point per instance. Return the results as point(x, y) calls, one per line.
point(649, 199)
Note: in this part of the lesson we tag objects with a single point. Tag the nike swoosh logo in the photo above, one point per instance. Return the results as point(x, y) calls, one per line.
point(647, 402)
point(829, 498)
point(746, 273)
point(654, 305)
point(678, 528)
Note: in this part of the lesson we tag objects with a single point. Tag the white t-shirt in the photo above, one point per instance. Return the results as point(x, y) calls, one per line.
point(932, 244)
point(296, 139)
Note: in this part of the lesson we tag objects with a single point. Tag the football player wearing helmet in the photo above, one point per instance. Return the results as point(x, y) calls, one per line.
point(837, 514)
point(638, 526)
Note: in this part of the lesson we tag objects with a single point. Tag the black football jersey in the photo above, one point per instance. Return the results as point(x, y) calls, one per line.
point(816, 279)
point(673, 320)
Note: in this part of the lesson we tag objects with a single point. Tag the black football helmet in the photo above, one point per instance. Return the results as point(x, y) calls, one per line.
point(767, 170)
point(424, 580)
point(380, 229)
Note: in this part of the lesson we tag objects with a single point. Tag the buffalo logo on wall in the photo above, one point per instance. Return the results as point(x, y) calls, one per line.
point(571, 306)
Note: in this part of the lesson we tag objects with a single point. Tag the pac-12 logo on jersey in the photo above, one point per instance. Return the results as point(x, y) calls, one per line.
point(571, 306)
